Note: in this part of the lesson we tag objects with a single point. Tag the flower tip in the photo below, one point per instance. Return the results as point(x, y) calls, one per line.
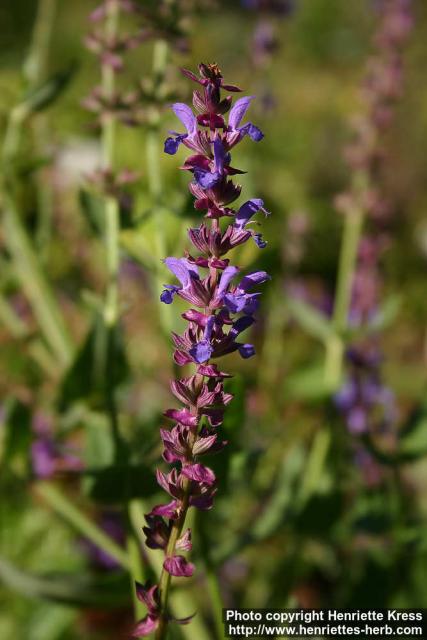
point(247, 351)
point(171, 146)
point(166, 297)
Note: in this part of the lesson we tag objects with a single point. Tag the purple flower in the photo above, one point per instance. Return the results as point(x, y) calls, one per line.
point(235, 117)
point(184, 542)
point(185, 273)
point(244, 215)
point(157, 532)
point(44, 455)
point(367, 405)
point(47, 455)
point(240, 300)
point(149, 595)
point(188, 119)
point(179, 567)
point(199, 473)
point(206, 178)
point(202, 351)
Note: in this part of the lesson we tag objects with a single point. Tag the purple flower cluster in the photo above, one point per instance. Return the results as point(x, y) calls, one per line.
point(223, 303)
point(368, 405)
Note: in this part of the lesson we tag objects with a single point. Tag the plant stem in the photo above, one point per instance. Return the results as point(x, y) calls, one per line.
point(60, 503)
point(35, 66)
point(108, 141)
point(154, 174)
point(353, 225)
point(35, 69)
point(111, 304)
point(165, 577)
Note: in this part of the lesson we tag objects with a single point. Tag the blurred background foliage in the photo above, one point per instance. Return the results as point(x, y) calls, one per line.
point(298, 521)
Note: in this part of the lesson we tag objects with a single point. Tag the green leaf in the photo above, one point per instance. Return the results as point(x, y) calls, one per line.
point(99, 445)
point(117, 483)
point(92, 207)
point(309, 383)
point(98, 368)
point(283, 496)
point(413, 444)
point(387, 313)
point(48, 92)
point(110, 590)
point(311, 320)
point(17, 437)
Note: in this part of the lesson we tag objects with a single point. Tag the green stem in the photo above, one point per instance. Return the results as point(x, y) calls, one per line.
point(108, 141)
point(111, 303)
point(35, 66)
point(61, 504)
point(347, 263)
point(113, 261)
point(154, 174)
point(35, 69)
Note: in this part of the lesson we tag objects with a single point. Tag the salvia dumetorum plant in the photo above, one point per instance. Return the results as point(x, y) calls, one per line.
point(34, 308)
point(223, 303)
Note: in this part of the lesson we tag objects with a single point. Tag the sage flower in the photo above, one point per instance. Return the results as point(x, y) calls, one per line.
point(223, 301)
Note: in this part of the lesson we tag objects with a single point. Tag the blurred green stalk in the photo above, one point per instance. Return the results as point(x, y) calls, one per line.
point(35, 69)
point(353, 225)
point(108, 141)
point(154, 174)
point(111, 303)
